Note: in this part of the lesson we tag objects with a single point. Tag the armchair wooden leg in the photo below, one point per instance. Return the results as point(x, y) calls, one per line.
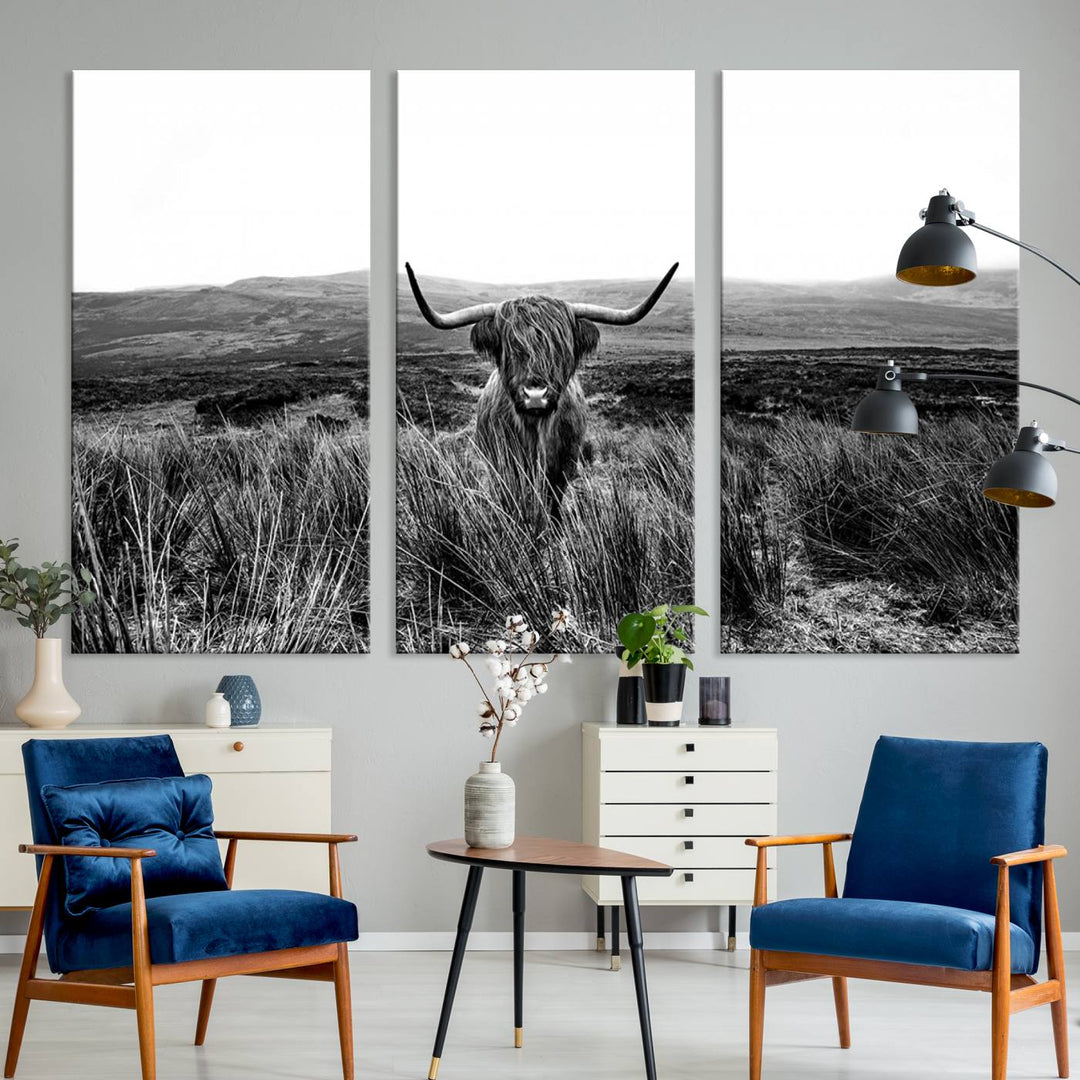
point(206, 1000)
point(29, 968)
point(144, 1013)
point(1055, 968)
point(343, 993)
point(999, 1034)
point(757, 1011)
point(843, 1025)
point(18, 1026)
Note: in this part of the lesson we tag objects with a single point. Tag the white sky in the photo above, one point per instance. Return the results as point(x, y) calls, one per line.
point(825, 171)
point(203, 177)
point(532, 176)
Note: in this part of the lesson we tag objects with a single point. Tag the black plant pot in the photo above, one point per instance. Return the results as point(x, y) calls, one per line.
point(664, 685)
point(630, 699)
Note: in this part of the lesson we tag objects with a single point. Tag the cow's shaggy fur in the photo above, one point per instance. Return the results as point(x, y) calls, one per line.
point(535, 341)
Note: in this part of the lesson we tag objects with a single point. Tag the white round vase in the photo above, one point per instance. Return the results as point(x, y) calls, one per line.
point(48, 704)
point(218, 711)
point(489, 807)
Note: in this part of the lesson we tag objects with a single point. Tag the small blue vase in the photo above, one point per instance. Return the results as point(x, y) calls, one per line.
point(243, 699)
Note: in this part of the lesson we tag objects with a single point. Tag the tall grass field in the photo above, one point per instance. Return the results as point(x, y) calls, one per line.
point(238, 541)
point(466, 558)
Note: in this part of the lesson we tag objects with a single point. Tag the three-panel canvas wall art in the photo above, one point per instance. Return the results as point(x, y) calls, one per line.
point(545, 359)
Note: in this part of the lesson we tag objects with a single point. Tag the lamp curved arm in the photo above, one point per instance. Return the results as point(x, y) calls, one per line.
point(976, 377)
point(963, 220)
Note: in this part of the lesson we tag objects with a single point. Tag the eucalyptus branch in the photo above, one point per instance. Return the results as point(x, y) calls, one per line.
point(39, 595)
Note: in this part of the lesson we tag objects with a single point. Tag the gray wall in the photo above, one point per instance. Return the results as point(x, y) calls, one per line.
point(401, 758)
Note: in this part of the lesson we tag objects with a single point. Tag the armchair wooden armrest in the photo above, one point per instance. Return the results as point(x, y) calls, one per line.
point(100, 852)
point(792, 841)
point(1042, 853)
point(1006, 999)
point(332, 839)
point(299, 838)
point(763, 843)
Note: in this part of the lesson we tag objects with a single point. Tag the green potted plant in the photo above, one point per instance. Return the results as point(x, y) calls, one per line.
point(654, 640)
point(38, 596)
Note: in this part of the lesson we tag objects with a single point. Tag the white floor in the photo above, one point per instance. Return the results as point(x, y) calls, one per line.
point(580, 1021)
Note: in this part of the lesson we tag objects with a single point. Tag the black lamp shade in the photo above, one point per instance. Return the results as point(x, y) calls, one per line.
point(886, 412)
point(939, 253)
point(1022, 478)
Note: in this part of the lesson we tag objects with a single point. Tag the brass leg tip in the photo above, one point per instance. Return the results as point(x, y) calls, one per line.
point(731, 944)
point(616, 963)
point(433, 1072)
point(517, 1038)
point(600, 946)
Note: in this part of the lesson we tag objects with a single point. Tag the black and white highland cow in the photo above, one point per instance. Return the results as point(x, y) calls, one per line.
point(532, 409)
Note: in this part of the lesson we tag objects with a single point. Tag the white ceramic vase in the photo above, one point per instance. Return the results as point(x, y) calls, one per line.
point(489, 807)
point(48, 704)
point(218, 711)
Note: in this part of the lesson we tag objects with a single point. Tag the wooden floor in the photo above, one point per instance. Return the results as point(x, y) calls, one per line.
point(580, 1021)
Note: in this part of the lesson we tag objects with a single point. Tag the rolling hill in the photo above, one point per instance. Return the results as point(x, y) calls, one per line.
point(255, 318)
point(875, 312)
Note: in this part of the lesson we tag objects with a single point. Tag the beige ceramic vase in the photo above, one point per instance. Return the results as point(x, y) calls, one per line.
point(48, 704)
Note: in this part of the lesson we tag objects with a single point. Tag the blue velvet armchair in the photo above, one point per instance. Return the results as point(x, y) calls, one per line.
point(132, 893)
point(945, 875)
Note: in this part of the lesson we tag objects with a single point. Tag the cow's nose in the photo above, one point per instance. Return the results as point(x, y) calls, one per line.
point(534, 397)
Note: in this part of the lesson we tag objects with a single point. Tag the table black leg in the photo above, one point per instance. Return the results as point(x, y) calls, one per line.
point(637, 958)
point(519, 954)
point(468, 908)
point(616, 958)
point(600, 946)
point(731, 927)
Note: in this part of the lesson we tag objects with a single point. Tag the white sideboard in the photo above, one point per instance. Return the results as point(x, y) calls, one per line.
point(686, 796)
point(274, 779)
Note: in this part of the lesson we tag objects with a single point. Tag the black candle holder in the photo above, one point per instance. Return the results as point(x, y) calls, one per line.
point(714, 700)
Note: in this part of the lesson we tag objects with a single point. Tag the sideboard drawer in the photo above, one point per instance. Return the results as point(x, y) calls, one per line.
point(704, 852)
point(260, 751)
point(689, 787)
point(671, 819)
point(709, 888)
point(686, 750)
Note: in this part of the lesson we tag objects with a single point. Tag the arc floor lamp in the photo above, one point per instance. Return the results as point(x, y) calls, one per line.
point(941, 253)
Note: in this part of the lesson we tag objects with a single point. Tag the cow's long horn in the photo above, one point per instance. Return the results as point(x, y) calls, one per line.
point(452, 320)
point(624, 316)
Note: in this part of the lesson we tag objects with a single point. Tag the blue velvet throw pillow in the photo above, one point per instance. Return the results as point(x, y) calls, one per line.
point(172, 815)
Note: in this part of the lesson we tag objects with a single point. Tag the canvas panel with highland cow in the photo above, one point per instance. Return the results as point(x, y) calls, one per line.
point(833, 541)
point(545, 350)
point(220, 360)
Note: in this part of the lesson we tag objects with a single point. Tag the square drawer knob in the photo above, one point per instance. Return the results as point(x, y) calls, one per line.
point(688, 812)
point(688, 845)
point(688, 779)
point(689, 747)
point(688, 878)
